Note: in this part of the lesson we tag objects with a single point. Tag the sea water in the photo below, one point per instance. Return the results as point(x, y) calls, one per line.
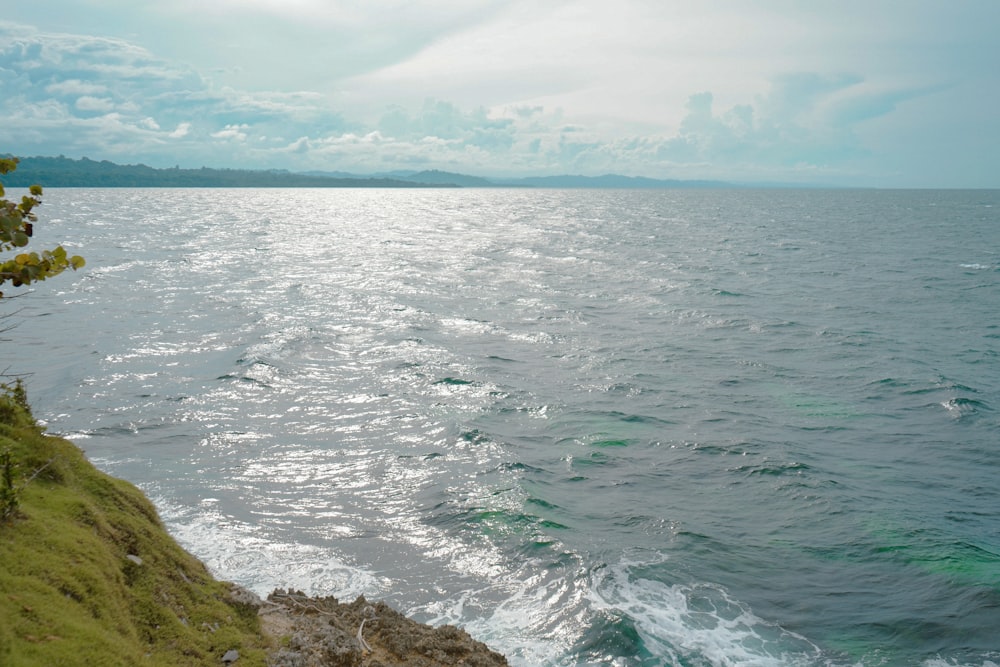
point(678, 427)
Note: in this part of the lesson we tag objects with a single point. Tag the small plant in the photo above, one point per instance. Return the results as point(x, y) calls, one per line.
point(13, 403)
point(14, 411)
point(8, 491)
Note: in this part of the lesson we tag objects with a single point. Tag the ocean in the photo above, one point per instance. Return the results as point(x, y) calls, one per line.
point(592, 427)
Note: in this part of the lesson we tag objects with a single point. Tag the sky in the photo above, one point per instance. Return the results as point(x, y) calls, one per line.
point(879, 93)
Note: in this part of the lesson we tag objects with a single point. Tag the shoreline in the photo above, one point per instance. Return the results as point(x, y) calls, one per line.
point(91, 576)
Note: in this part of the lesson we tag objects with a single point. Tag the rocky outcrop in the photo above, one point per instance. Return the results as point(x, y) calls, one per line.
point(323, 632)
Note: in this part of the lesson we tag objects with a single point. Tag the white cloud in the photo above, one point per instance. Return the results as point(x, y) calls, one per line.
point(237, 132)
point(75, 87)
point(89, 103)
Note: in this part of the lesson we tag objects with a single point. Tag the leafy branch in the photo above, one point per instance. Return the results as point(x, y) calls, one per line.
point(16, 228)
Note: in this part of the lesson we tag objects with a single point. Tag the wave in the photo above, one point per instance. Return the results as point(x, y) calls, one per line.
point(960, 407)
point(687, 624)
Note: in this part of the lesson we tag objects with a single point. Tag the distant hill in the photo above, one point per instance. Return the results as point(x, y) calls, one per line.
point(613, 181)
point(429, 177)
point(607, 181)
point(447, 178)
point(63, 172)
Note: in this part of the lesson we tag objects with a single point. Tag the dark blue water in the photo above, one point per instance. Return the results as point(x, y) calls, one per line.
point(599, 427)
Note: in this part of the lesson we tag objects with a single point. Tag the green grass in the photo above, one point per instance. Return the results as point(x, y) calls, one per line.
point(68, 593)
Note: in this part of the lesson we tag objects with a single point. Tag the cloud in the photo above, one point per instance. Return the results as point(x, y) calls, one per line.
point(237, 132)
point(90, 103)
point(99, 96)
point(804, 120)
point(444, 120)
point(74, 87)
point(181, 131)
point(494, 86)
point(277, 45)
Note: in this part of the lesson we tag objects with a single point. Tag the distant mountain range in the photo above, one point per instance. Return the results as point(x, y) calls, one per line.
point(63, 172)
point(439, 178)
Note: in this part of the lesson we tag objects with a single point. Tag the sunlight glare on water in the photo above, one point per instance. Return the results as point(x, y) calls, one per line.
point(592, 427)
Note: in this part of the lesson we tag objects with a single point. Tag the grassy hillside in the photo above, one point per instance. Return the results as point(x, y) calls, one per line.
point(89, 576)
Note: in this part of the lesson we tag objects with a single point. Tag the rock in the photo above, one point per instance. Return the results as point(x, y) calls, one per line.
point(135, 559)
point(230, 657)
point(322, 632)
point(244, 597)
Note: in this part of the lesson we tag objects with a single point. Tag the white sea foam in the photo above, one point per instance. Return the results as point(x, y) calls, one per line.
point(684, 622)
point(514, 628)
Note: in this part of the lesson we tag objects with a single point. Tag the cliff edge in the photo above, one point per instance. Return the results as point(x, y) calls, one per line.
point(89, 576)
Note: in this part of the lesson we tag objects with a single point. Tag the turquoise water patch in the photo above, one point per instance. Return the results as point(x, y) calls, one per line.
point(541, 503)
point(936, 553)
point(611, 637)
point(594, 459)
point(500, 523)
